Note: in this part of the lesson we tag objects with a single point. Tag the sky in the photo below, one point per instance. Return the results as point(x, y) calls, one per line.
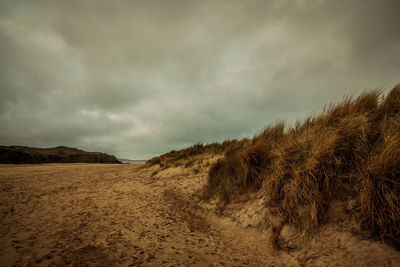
point(138, 78)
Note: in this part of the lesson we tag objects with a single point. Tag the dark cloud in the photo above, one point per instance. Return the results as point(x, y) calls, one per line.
point(138, 78)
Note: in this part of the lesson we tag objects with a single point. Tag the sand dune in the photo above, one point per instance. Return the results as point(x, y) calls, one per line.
point(121, 215)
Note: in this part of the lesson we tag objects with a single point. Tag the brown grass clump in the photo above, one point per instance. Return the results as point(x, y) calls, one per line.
point(349, 152)
point(185, 156)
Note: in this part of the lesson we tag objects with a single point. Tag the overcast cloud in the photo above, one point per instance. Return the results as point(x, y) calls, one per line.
point(139, 78)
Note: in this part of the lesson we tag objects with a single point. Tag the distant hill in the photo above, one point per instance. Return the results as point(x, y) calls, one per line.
point(60, 154)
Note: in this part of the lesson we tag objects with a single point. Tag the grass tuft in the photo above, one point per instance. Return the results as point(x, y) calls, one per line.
point(186, 156)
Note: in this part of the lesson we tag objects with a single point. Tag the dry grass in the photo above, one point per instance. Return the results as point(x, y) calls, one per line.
point(187, 156)
point(349, 152)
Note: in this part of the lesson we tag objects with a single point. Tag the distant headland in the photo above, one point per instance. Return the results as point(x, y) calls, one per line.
point(60, 154)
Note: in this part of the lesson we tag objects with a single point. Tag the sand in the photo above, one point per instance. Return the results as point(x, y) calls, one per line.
point(120, 215)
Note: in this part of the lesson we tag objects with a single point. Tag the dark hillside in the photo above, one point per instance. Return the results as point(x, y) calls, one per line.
point(61, 154)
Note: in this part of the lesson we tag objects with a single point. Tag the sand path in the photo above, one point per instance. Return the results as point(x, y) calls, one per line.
point(106, 215)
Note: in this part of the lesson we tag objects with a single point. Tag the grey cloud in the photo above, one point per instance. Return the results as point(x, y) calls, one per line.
point(138, 78)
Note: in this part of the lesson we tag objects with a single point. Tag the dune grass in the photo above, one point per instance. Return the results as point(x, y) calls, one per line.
point(349, 152)
point(187, 156)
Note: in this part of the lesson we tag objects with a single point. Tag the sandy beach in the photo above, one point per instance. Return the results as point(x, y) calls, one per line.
point(121, 215)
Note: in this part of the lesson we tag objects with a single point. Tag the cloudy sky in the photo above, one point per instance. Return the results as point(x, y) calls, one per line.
point(139, 78)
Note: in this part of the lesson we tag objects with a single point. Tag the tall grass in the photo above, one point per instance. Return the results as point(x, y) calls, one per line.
point(349, 152)
point(181, 156)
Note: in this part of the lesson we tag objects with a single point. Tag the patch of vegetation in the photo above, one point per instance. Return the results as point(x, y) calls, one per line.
point(190, 163)
point(350, 152)
point(186, 156)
